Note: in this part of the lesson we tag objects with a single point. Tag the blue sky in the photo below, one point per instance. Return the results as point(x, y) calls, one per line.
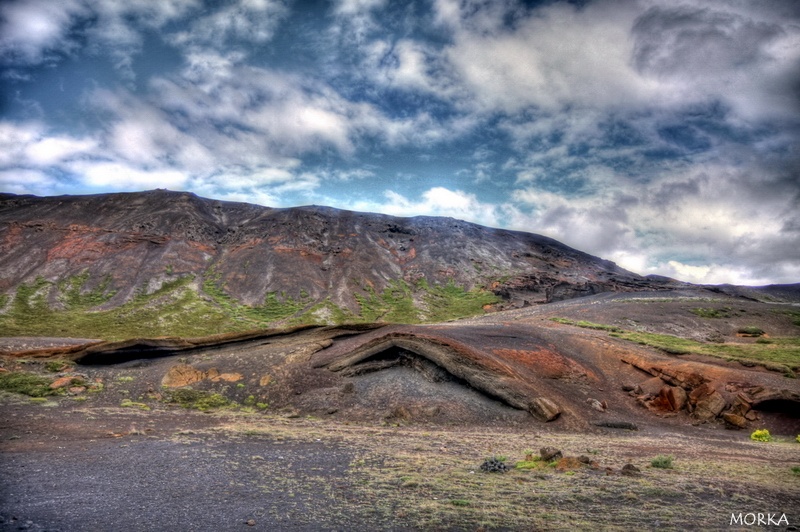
point(662, 135)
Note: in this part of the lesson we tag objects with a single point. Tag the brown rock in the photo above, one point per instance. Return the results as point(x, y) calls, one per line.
point(544, 409)
point(651, 387)
point(549, 454)
point(700, 392)
point(630, 470)
point(597, 405)
point(751, 415)
point(61, 382)
point(182, 375)
point(265, 380)
point(734, 420)
point(676, 398)
point(709, 406)
point(228, 377)
point(76, 390)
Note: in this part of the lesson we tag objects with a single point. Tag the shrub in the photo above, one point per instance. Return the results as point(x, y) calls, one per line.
point(796, 470)
point(761, 435)
point(662, 462)
point(798, 438)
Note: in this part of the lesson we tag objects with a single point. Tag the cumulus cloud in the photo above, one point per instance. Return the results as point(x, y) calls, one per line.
point(660, 135)
point(29, 30)
point(251, 21)
point(436, 201)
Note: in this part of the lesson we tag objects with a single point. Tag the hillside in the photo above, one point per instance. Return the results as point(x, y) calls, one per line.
point(163, 262)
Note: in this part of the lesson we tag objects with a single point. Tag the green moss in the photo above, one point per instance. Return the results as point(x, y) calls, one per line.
point(724, 312)
point(587, 324)
point(449, 301)
point(198, 399)
point(28, 384)
point(55, 366)
point(75, 296)
point(781, 354)
point(127, 403)
point(751, 331)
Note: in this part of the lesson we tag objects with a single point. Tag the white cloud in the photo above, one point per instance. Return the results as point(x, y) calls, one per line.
point(119, 176)
point(31, 28)
point(32, 145)
point(27, 181)
point(436, 201)
point(250, 21)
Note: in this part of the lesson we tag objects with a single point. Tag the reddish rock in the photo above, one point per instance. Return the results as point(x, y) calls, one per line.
point(651, 387)
point(182, 375)
point(676, 398)
point(61, 382)
point(76, 390)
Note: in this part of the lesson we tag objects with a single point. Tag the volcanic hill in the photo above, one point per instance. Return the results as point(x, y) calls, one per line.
point(168, 262)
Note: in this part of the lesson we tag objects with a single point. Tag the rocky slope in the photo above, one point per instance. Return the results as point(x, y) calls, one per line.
point(103, 251)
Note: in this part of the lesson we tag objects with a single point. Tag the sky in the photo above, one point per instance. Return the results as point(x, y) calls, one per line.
point(662, 135)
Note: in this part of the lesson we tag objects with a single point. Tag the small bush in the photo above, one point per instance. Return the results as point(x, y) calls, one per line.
point(796, 470)
point(460, 502)
point(798, 438)
point(662, 462)
point(761, 435)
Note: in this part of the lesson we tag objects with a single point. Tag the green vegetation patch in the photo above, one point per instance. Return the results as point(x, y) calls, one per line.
point(450, 301)
point(73, 308)
point(28, 384)
point(198, 399)
point(781, 354)
point(762, 435)
point(724, 312)
point(587, 324)
point(662, 462)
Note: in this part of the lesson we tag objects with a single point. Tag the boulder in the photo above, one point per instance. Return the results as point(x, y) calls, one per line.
point(734, 420)
point(549, 454)
point(651, 387)
point(630, 470)
point(544, 409)
point(709, 406)
point(182, 375)
point(675, 397)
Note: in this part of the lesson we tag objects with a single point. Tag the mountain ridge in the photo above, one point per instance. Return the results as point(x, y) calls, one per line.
point(311, 263)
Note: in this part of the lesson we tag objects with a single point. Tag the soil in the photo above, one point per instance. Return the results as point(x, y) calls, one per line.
point(386, 427)
point(73, 467)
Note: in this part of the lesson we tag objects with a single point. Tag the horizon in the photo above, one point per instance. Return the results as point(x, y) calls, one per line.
point(660, 137)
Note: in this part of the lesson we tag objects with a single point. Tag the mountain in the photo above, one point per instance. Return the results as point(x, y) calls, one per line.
point(179, 260)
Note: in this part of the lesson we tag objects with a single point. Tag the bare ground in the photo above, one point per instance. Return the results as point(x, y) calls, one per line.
point(71, 467)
